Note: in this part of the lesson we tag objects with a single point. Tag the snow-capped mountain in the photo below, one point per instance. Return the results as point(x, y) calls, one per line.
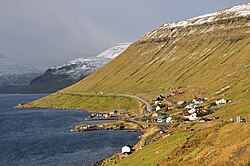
point(64, 75)
point(236, 11)
point(114, 51)
point(229, 14)
point(15, 76)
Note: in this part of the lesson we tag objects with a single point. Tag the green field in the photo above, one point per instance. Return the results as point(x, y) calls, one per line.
point(93, 103)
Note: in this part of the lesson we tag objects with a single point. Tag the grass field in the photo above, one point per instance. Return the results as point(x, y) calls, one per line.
point(93, 103)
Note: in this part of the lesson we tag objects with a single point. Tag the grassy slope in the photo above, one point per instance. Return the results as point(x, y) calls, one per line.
point(94, 103)
point(197, 58)
point(208, 144)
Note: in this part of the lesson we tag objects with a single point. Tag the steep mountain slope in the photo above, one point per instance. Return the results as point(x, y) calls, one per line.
point(15, 76)
point(61, 76)
point(206, 53)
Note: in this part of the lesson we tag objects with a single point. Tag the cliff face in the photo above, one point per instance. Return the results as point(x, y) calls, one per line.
point(205, 53)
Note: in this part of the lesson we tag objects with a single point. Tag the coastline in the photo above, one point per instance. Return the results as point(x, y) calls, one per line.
point(126, 122)
point(131, 128)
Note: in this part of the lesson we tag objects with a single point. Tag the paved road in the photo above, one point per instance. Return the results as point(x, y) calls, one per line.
point(148, 106)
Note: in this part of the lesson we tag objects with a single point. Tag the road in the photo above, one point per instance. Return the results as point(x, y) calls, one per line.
point(148, 106)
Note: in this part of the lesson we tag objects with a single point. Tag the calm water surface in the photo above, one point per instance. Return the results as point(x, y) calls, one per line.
point(41, 136)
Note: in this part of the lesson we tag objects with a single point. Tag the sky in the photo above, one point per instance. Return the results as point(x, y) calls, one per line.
point(45, 33)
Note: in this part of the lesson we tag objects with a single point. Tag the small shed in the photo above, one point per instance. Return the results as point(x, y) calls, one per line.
point(112, 112)
point(158, 108)
point(222, 101)
point(127, 149)
point(193, 117)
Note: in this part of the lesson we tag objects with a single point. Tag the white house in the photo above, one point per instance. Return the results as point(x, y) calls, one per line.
point(155, 114)
point(158, 108)
point(191, 111)
point(113, 112)
point(169, 119)
point(221, 101)
point(190, 106)
point(126, 149)
point(193, 117)
point(157, 102)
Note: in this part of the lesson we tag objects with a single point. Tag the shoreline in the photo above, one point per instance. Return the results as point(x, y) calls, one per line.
point(98, 162)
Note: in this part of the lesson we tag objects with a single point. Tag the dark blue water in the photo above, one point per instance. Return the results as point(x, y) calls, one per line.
point(41, 136)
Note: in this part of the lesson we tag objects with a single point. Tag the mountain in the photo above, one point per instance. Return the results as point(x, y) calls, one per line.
point(15, 76)
point(64, 75)
point(205, 53)
point(114, 51)
point(207, 56)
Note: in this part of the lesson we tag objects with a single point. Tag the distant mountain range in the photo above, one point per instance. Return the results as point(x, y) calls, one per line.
point(15, 76)
point(64, 75)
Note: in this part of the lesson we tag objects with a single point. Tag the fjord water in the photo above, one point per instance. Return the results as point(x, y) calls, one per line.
point(41, 136)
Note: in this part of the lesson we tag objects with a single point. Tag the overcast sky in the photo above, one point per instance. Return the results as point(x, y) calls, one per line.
point(45, 33)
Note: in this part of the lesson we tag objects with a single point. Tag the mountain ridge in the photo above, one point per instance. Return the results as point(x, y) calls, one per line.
point(15, 76)
point(61, 76)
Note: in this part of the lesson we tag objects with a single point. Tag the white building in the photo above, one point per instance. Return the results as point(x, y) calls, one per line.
point(221, 101)
point(191, 111)
point(158, 108)
point(193, 117)
point(169, 119)
point(126, 149)
point(157, 102)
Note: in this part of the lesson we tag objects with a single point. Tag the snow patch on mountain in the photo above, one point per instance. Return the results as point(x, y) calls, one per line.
point(79, 68)
point(236, 11)
point(64, 75)
point(114, 51)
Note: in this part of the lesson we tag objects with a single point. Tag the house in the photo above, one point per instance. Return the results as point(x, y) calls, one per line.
point(113, 112)
point(160, 98)
point(169, 119)
point(158, 108)
point(190, 106)
point(197, 100)
point(82, 127)
point(181, 103)
point(239, 119)
point(222, 101)
point(106, 115)
point(193, 117)
point(157, 102)
point(191, 111)
point(155, 114)
point(186, 115)
point(161, 118)
point(127, 149)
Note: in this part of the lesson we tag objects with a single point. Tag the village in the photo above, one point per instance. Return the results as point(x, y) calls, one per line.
point(165, 112)
point(112, 115)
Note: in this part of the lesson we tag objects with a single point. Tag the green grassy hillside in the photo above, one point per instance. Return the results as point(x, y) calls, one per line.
point(93, 103)
point(203, 59)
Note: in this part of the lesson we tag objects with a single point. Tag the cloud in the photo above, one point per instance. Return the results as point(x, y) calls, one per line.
point(45, 33)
